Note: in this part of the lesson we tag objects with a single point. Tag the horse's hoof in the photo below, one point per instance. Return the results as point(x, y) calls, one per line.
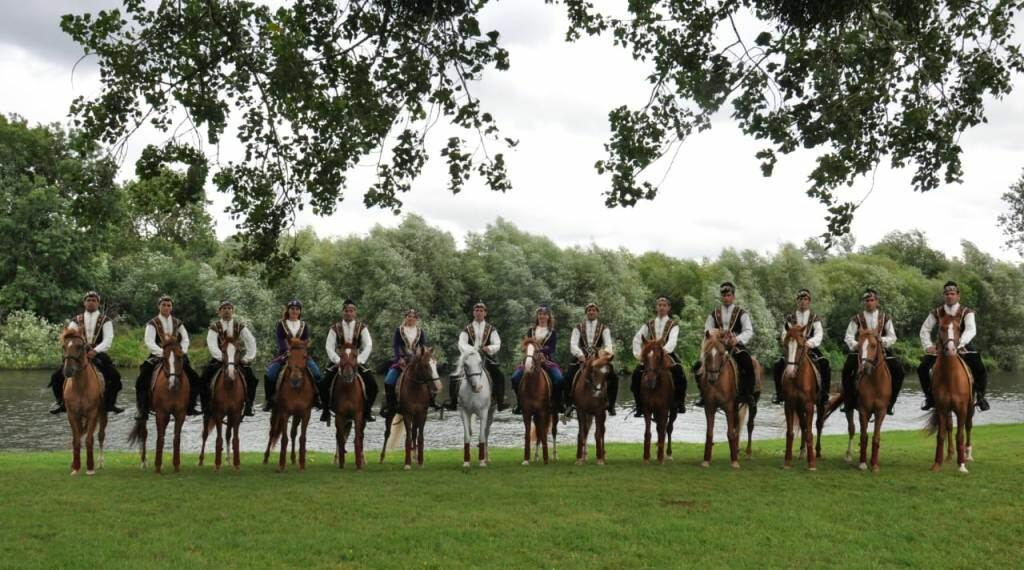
point(848, 458)
point(970, 455)
point(705, 464)
point(935, 468)
point(963, 468)
point(90, 472)
point(600, 461)
point(874, 469)
point(647, 461)
point(812, 468)
point(661, 462)
point(735, 464)
point(408, 468)
point(579, 462)
point(237, 468)
point(465, 465)
point(525, 462)
point(787, 467)
point(483, 463)
point(863, 467)
point(669, 457)
point(74, 472)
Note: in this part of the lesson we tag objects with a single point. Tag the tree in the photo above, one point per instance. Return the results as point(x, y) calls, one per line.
point(911, 249)
point(858, 81)
point(1012, 221)
point(314, 88)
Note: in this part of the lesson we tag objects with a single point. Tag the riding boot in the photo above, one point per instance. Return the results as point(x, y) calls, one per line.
point(268, 394)
point(499, 391)
point(390, 402)
point(980, 401)
point(567, 403)
point(325, 398)
point(110, 401)
point(193, 397)
point(142, 399)
point(453, 394)
point(897, 385)
point(925, 377)
point(57, 384)
point(777, 378)
point(613, 393)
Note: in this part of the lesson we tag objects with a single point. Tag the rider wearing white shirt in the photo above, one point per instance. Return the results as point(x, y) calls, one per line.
point(588, 338)
point(479, 336)
point(737, 329)
point(814, 332)
point(99, 335)
point(870, 318)
point(349, 331)
point(666, 330)
point(169, 325)
point(223, 328)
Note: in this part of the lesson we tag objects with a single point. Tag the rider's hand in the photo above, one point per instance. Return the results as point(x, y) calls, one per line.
point(931, 350)
point(91, 354)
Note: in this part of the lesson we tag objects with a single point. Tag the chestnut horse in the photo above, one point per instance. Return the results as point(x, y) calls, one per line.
point(535, 390)
point(295, 393)
point(800, 394)
point(226, 404)
point(953, 392)
point(83, 398)
point(415, 384)
point(719, 387)
point(348, 399)
point(874, 390)
point(590, 396)
point(169, 395)
point(657, 394)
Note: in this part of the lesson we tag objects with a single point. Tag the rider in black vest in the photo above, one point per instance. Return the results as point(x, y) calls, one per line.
point(815, 334)
point(348, 329)
point(228, 327)
point(966, 322)
point(99, 334)
point(588, 338)
point(735, 322)
point(167, 325)
point(481, 336)
point(666, 330)
point(870, 318)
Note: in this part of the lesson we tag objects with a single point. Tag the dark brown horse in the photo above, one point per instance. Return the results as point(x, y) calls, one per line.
point(226, 404)
point(348, 396)
point(590, 395)
point(169, 394)
point(657, 394)
point(418, 380)
point(874, 391)
point(953, 391)
point(535, 390)
point(83, 398)
point(800, 394)
point(719, 386)
point(295, 393)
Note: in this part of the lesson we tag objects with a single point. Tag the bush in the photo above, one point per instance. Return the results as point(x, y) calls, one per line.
point(29, 341)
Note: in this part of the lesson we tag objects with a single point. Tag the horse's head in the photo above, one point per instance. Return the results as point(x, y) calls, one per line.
point(596, 370)
point(795, 345)
point(949, 334)
point(348, 365)
point(232, 358)
point(424, 364)
point(655, 360)
point(174, 358)
point(714, 356)
point(74, 346)
point(869, 348)
point(532, 354)
point(473, 367)
point(296, 361)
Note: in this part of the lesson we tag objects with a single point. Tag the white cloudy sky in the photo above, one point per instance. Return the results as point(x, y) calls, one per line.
point(555, 100)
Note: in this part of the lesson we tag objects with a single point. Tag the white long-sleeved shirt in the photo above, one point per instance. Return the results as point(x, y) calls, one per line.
point(90, 331)
point(167, 324)
point(348, 328)
point(970, 328)
point(888, 335)
point(465, 347)
point(229, 327)
point(819, 331)
point(659, 328)
point(591, 330)
point(747, 327)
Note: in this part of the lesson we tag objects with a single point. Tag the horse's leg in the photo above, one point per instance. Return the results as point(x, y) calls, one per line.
point(295, 436)
point(599, 436)
point(647, 437)
point(484, 431)
point(788, 460)
point(863, 440)
point(103, 435)
point(219, 457)
point(161, 426)
point(808, 423)
point(76, 442)
point(236, 424)
point(90, 430)
point(751, 414)
point(940, 435)
point(302, 440)
point(143, 436)
point(527, 421)
point(969, 424)
point(662, 419)
point(851, 431)
point(709, 437)
point(421, 422)
point(819, 423)
point(270, 436)
point(202, 445)
point(668, 434)
point(360, 435)
point(961, 455)
point(179, 422)
point(876, 439)
point(733, 434)
point(949, 436)
point(553, 420)
point(283, 427)
point(408, 441)
point(467, 434)
point(542, 431)
point(581, 435)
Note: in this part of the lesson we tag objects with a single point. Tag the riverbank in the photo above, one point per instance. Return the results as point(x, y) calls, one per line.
point(507, 515)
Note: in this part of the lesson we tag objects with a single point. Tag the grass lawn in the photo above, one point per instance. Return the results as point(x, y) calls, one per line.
point(622, 515)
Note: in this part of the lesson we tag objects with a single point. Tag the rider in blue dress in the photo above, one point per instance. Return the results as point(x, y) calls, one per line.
point(543, 330)
point(290, 326)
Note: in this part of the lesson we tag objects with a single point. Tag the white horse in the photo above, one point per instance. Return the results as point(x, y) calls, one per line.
point(475, 399)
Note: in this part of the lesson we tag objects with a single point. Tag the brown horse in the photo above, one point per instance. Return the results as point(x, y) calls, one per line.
point(590, 396)
point(227, 402)
point(348, 398)
point(657, 394)
point(953, 391)
point(169, 394)
point(800, 394)
point(719, 387)
point(418, 380)
point(874, 390)
point(535, 390)
point(83, 398)
point(295, 394)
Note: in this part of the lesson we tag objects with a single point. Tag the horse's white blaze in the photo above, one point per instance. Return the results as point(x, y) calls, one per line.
point(714, 353)
point(864, 350)
point(605, 369)
point(69, 344)
point(172, 381)
point(433, 371)
point(231, 361)
point(528, 365)
point(790, 357)
point(950, 345)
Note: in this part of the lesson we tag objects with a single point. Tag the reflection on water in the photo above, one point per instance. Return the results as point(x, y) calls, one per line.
point(26, 425)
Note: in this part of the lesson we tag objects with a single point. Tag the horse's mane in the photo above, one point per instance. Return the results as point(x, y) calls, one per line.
point(603, 357)
point(650, 345)
point(528, 341)
point(714, 336)
point(297, 343)
point(70, 332)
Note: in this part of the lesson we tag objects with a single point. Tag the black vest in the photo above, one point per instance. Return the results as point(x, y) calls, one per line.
point(222, 335)
point(735, 326)
point(590, 350)
point(811, 319)
point(159, 328)
point(97, 338)
point(669, 325)
point(357, 334)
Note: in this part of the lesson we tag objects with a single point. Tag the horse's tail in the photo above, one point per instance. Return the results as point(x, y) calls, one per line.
point(275, 429)
point(397, 435)
point(136, 435)
point(741, 417)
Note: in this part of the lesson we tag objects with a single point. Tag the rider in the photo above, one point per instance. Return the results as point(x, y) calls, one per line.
point(290, 326)
point(99, 335)
point(870, 318)
point(407, 338)
point(349, 330)
point(737, 330)
point(665, 330)
point(224, 328)
point(968, 330)
point(479, 336)
point(814, 335)
point(588, 338)
point(543, 331)
point(168, 325)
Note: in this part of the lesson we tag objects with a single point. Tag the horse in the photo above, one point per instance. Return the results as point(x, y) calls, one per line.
point(348, 398)
point(226, 404)
point(874, 390)
point(590, 396)
point(295, 394)
point(719, 386)
point(657, 394)
point(414, 387)
point(83, 399)
point(475, 400)
point(169, 395)
point(800, 394)
point(535, 390)
point(953, 393)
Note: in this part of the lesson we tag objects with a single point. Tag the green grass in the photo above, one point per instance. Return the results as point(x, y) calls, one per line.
point(620, 515)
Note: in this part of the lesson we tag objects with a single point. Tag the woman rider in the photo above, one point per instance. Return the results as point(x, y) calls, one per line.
point(407, 338)
point(543, 331)
point(290, 326)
